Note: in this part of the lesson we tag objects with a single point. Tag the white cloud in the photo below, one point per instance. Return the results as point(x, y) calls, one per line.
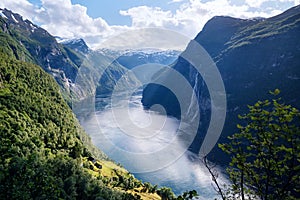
point(23, 7)
point(144, 16)
point(190, 17)
point(259, 3)
point(64, 19)
point(255, 3)
point(156, 38)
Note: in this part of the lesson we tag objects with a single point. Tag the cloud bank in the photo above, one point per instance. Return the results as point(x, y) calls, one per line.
point(64, 19)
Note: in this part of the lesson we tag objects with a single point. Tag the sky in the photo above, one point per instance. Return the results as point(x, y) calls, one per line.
point(97, 21)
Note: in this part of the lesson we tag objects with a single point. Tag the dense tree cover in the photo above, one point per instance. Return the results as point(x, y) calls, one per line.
point(44, 151)
point(43, 148)
point(32, 109)
point(40, 140)
point(10, 46)
point(265, 153)
point(51, 178)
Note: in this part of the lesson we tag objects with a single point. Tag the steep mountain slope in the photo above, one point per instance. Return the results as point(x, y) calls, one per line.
point(34, 143)
point(98, 75)
point(40, 48)
point(253, 57)
point(28, 42)
point(44, 152)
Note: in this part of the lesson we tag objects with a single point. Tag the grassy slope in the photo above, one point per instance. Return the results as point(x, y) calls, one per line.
point(268, 28)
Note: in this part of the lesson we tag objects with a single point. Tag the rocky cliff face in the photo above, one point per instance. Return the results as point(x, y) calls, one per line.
point(253, 57)
point(76, 68)
point(40, 48)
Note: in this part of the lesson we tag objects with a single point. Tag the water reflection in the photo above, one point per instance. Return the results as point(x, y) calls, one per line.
point(184, 173)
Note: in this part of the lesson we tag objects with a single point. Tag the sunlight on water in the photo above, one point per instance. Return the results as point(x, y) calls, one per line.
point(182, 174)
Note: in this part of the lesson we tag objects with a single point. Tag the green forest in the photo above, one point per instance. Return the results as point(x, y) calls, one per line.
point(43, 149)
point(265, 153)
point(46, 154)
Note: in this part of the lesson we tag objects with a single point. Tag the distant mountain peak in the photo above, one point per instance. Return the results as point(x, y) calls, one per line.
point(11, 17)
point(8, 14)
point(77, 44)
point(142, 51)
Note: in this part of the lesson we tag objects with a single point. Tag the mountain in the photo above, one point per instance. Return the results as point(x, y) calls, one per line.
point(253, 57)
point(78, 45)
point(68, 62)
point(45, 153)
point(40, 152)
point(39, 47)
point(133, 58)
point(99, 74)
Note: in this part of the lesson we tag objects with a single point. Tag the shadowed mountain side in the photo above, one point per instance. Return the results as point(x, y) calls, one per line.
point(26, 41)
point(253, 57)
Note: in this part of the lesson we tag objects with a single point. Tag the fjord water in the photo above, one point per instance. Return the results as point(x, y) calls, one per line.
point(182, 173)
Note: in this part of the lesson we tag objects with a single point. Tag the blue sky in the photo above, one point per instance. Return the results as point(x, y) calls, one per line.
point(109, 9)
point(98, 20)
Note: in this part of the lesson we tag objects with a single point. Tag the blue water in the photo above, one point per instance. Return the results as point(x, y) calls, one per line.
point(136, 138)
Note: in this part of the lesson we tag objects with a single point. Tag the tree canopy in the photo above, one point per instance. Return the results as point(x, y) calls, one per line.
point(265, 153)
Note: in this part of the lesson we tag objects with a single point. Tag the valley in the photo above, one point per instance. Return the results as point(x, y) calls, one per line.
point(179, 172)
point(216, 120)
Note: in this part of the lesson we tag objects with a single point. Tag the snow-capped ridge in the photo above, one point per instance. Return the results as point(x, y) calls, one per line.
point(14, 18)
point(70, 41)
point(142, 51)
point(77, 44)
point(2, 14)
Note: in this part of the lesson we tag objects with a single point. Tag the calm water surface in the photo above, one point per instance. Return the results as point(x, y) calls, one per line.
point(135, 141)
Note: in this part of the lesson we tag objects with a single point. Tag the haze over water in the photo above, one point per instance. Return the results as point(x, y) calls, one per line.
point(182, 173)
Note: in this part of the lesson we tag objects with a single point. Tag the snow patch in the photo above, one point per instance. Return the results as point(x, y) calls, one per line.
point(13, 17)
point(69, 41)
point(2, 14)
point(142, 52)
point(33, 27)
point(63, 40)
